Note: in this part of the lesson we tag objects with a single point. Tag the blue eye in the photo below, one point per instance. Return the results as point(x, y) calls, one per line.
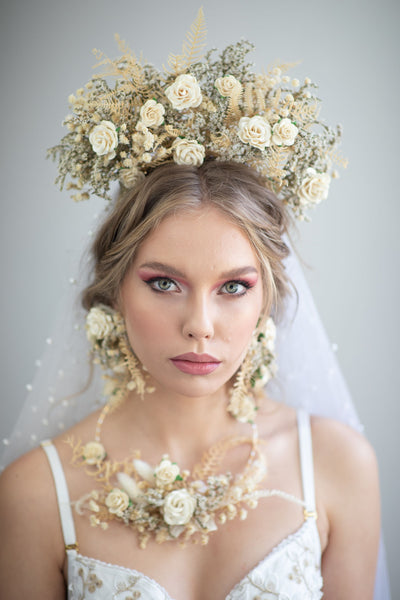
point(235, 288)
point(162, 284)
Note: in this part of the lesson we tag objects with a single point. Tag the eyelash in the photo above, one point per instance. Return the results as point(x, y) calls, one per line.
point(154, 280)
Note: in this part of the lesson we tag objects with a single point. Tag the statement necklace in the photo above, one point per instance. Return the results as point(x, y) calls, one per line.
point(165, 503)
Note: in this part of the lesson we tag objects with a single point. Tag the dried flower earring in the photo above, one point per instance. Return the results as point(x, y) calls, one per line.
point(256, 370)
point(110, 347)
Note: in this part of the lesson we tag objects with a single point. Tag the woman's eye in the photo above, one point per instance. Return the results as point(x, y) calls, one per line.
point(235, 288)
point(162, 284)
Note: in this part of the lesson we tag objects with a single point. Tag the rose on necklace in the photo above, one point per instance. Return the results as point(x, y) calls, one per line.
point(179, 507)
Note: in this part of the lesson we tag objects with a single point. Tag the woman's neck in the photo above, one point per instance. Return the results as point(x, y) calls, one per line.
point(182, 427)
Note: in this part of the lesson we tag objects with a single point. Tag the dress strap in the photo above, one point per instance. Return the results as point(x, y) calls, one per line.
point(64, 505)
point(306, 463)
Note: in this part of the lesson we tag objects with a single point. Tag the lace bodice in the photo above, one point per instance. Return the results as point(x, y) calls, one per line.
point(291, 571)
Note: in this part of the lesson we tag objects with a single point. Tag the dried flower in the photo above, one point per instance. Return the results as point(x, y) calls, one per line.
point(188, 152)
point(284, 132)
point(166, 472)
point(152, 113)
point(93, 452)
point(228, 85)
point(255, 131)
point(117, 501)
point(184, 92)
point(314, 187)
point(179, 507)
point(104, 139)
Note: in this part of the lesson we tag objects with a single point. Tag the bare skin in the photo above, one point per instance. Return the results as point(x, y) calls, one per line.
point(184, 416)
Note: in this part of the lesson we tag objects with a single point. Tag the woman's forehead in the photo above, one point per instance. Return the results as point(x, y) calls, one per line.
point(204, 234)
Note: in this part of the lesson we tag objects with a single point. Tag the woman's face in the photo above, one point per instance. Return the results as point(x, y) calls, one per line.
point(191, 301)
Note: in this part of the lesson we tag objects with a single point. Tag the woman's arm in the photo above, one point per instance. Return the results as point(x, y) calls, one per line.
point(347, 479)
point(31, 548)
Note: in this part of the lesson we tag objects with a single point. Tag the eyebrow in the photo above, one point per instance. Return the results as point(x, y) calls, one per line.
point(231, 274)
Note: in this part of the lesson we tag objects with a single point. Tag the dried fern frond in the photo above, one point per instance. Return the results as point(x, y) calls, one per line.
point(191, 47)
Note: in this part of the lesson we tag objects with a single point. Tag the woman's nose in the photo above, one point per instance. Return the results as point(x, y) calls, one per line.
point(198, 323)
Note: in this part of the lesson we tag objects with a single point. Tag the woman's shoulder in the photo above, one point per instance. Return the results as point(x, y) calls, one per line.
point(340, 446)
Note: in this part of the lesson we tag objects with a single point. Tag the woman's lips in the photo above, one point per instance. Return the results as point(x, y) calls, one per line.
point(196, 364)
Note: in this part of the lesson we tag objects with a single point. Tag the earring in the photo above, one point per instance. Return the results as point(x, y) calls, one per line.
point(257, 368)
point(106, 332)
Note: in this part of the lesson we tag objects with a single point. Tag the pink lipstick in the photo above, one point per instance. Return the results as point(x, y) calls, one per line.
point(196, 364)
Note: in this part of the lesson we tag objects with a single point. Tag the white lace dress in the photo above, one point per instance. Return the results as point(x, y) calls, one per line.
point(291, 571)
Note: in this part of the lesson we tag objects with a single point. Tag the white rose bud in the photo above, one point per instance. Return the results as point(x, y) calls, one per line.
point(166, 472)
point(179, 507)
point(98, 324)
point(117, 501)
point(284, 133)
point(104, 139)
point(152, 113)
point(314, 187)
point(255, 131)
point(184, 93)
point(130, 177)
point(228, 85)
point(93, 453)
point(188, 152)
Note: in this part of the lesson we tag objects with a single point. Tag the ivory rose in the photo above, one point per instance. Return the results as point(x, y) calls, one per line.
point(188, 152)
point(255, 131)
point(104, 139)
point(166, 472)
point(179, 507)
point(93, 452)
point(152, 113)
point(129, 177)
point(98, 324)
point(117, 501)
point(228, 85)
point(284, 132)
point(314, 187)
point(184, 93)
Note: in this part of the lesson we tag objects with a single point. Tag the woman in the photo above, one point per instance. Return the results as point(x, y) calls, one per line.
point(189, 267)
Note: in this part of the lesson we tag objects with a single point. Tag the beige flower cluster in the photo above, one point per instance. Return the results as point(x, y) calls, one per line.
point(217, 108)
point(164, 502)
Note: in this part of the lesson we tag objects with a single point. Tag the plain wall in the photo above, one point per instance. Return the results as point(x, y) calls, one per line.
point(350, 47)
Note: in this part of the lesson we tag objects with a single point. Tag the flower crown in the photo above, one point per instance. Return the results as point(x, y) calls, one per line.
point(215, 107)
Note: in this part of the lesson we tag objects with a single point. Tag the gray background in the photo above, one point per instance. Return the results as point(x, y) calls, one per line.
point(352, 245)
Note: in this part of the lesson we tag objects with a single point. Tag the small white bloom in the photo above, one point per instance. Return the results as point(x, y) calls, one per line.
point(284, 132)
point(184, 93)
point(255, 131)
point(98, 324)
point(314, 187)
point(228, 85)
point(166, 472)
point(144, 470)
point(152, 113)
point(117, 501)
point(295, 82)
point(188, 152)
point(93, 452)
point(104, 139)
point(179, 507)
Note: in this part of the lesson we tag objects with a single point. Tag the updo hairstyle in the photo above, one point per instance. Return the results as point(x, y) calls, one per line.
point(234, 189)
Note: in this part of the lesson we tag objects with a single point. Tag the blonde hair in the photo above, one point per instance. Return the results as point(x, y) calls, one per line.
point(233, 188)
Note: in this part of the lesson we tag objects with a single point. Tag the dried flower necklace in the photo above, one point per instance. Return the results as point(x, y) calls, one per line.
point(165, 503)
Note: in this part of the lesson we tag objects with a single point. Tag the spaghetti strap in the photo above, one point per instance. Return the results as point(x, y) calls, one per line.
point(64, 505)
point(306, 463)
